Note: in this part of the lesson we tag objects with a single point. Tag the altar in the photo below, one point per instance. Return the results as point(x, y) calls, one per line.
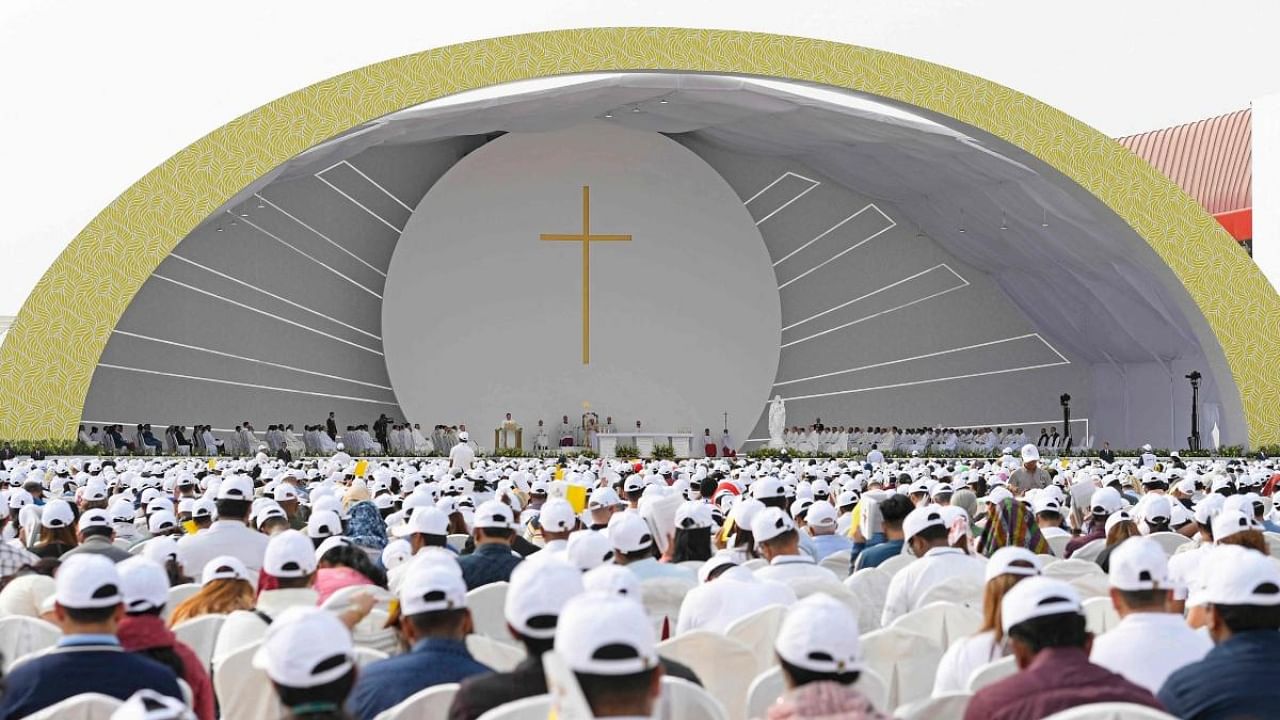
point(682, 443)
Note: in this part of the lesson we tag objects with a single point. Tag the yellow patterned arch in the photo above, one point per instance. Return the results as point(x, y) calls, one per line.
point(49, 356)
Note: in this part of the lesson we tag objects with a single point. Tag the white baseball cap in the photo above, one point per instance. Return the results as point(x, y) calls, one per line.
point(306, 647)
point(1235, 575)
point(428, 587)
point(323, 524)
point(236, 487)
point(284, 492)
point(693, 514)
point(1139, 563)
point(224, 567)
point(92, 518)
point(721, 559)
point(1115, 519)
point(1037, 597)
point(151, 705)
point(1105, 501)
point(589, 548)
point(1030, 452)
point(769, 487)
point(144, 584)
point(464, 436)
point(630, 533)
point(538, 593)
point(822, 514)
point(769, 524)
point(87, 581)
point(820, 634)
point(203, 508)
point(426, 520)
point(557, 515)
point(269, 511)
point(162, 521)
point(613, 580)
point(1230, 522)
point(1012, 560)
point(1157, 507)
point(493, 514)
point(1045, 502)
point(603, 497)
point(396, 553)
point(604, 634)
point(57, 514)
point(921, 519)
point(290, 554)
point(161, 549)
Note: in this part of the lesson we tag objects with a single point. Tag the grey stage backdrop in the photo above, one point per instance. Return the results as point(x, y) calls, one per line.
point(272, 312)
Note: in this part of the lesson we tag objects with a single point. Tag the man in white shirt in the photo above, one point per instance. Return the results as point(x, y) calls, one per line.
point(1048, 512)
point(633, 547)
point(462, 456)
point(925, 532)
point(822, 523)
point(1150, 643)
point(558, 521)
point(875, 457)
point(778, 541)
point(291, 560)
point(728, 592)
point(230, 534)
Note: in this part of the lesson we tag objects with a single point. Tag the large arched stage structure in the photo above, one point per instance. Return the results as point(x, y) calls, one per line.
point(883, 241)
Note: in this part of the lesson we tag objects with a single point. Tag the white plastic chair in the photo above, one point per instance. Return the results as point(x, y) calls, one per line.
point(906, 660)
point(941, 621)
point(1273, 543)
point(1111, 711)
point(201, 635)
point(87, 706)
point(946, 705)
point(1090, 551)
point(458, 541)
point(501, 656)
point(244, 692)
point(1100, 614)
point(1092, 585)
point(895, 563)
point(993, 671)
point(870, 587)
point(662, 598)
point(177, 595)
point(1067, 570)
point(430, 704)
point(724, 665)
point(769, 685)
point(962, 591)
point(758, 631)
point(1058, 544)
point(537, 707)
point(365, 656)
point(1170, 541)
point(21, 635)
point(838, 563)
point(685, 701)
point(486, 606)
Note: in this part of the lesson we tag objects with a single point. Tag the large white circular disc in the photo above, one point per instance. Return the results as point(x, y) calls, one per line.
point(482, 317)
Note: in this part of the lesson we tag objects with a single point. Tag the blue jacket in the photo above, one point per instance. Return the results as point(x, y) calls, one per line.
point(77, 667)
point(1235, 680)
point(873, 556)
point(490, 563)
point(433, 661)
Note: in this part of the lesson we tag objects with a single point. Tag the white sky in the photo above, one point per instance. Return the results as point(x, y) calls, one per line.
point(98, 93)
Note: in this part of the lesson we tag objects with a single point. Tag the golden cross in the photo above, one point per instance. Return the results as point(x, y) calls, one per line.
point(586, 238)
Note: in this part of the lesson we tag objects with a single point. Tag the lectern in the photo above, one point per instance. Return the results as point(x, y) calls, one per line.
point(503, 438)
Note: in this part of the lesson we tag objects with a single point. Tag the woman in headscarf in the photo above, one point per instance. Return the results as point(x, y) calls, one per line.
point(366, 528)
point(1011, 524)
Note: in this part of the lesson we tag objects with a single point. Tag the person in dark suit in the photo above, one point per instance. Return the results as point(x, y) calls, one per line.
point(331, 428)
point(7, 453)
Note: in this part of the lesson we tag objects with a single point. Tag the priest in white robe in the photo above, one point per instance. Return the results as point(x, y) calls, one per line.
point(541, 442)
point(565, 433)
point(421, 444)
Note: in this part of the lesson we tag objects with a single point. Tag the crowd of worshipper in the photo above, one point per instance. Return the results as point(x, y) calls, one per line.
point(820, 438)
point(314, 568)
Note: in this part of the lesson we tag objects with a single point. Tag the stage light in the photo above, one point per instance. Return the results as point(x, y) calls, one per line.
point(635, 109)
point(608, 116)
point(1044, 218)
point(962, 222)
point(1004, 224)
point(218, 229)
point(663, 101)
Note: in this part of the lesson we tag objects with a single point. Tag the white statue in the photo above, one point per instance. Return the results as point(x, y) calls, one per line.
point(777, 422)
